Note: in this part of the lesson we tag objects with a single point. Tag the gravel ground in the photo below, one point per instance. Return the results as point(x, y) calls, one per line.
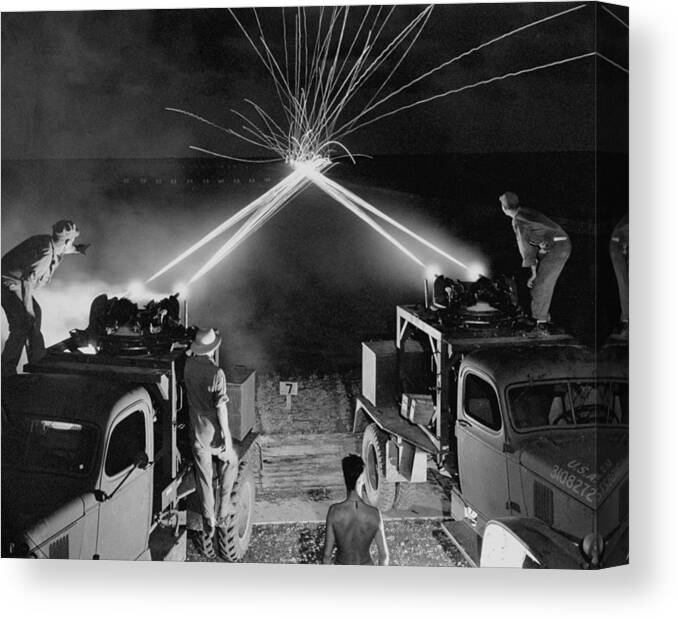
point(410, 542)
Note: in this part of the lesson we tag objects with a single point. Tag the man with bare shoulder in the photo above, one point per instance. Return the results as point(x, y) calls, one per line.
point(353, 525)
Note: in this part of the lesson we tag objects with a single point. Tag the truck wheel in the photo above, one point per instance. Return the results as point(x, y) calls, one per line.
point(203, 544)
point(378, 491)
point(405, 495)
point(234, 538)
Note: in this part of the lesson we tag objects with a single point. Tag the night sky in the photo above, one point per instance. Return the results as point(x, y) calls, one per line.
point(95, 84)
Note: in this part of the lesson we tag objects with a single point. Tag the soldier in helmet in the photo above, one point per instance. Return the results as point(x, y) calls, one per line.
point(25, 268)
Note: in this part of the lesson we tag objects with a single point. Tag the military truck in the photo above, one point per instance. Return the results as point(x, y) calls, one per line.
point(532, 432)
point(92, 461)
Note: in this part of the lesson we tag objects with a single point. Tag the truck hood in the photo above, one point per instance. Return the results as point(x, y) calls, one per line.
point(27, 500)
point(585, 464)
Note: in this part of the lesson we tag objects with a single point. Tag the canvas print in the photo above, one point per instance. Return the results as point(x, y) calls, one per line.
point(325, 284)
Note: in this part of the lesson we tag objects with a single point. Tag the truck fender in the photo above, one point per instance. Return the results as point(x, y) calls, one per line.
point(526, 543)
point(361, 419)
point(64, 533)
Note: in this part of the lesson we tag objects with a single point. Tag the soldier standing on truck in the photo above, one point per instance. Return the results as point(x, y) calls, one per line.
point(352, 525)
point(210, 436)
point(619, 254)
point(25, 268)
point(545, 248)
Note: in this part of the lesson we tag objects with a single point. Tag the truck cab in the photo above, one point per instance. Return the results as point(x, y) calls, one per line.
point(533, 433)
point(92, 460)
point(543, 436)
point(77, 475)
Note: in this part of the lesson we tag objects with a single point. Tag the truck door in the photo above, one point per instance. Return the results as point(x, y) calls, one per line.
point(483, 471)
point(125, 517)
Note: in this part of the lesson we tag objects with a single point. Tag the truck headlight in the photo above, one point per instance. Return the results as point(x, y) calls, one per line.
point(592, 546)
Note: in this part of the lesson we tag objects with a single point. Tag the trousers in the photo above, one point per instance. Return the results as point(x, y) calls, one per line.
point(214, 508)
point(620, 262)
point(550, 266)
point(24, 330)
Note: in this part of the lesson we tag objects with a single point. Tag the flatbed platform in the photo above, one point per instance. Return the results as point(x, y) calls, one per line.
point(389, 419)
point(145, 368)
point(135, 374)
point(466, 338)
point(60, 353)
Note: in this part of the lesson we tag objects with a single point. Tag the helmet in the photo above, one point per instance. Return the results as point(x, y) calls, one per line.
point(65, 228)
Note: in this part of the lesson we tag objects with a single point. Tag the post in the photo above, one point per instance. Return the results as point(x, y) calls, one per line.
point(426, 292)
point(186, 313)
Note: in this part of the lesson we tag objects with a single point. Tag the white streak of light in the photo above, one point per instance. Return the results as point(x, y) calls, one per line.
point(322, 182)
point(469, 87)
point(349, 126)
point(432, 271)
point(136, 289)
point(231, 221)
point(181, 289)
point(619, 19)
point(612, 62)
point(255, 221)
point(215, 154)
point(367, 206)
point(474, 271)
point(286, 190)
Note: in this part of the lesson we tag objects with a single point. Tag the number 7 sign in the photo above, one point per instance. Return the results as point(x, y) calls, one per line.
point(288, 389)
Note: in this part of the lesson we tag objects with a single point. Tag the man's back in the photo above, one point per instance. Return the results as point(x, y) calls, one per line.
point(33, 254)
point(205, 390)
point(354, 525)
point(536, 226)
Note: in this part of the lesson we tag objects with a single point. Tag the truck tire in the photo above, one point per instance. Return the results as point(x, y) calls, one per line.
point(234, 538)
point(203, 544)
point(378, 491)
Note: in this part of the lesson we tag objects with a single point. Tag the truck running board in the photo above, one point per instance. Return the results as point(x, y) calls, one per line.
point(465, 539)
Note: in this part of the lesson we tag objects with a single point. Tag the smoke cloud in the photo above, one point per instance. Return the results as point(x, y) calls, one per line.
point(297, 296)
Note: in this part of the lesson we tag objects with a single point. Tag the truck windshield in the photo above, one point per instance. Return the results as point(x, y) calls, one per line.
point(50, 446)
point(539, 405)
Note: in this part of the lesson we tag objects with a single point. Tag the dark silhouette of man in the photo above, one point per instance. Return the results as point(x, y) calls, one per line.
point(25, 268)
point(545, 248)
point(353, 525)
point(210, 435)
point(619, 254)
